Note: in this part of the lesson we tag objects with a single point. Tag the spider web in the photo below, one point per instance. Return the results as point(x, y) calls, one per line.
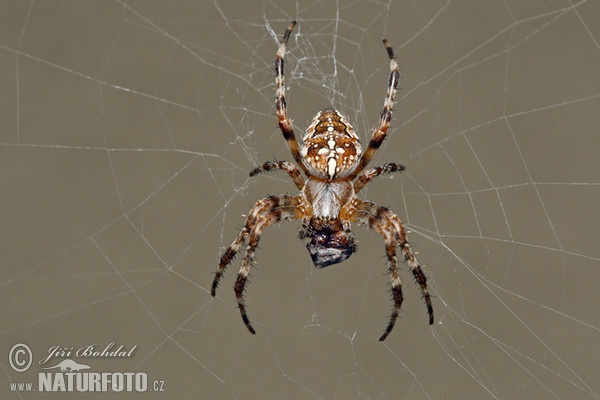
point(129, 128)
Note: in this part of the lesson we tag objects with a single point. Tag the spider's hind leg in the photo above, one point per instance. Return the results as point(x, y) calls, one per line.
point(285, 123)
point(380, 132)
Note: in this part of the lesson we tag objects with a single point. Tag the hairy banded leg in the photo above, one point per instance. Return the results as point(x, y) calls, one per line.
point(228, 256)
point(285, 124)
point(265, 212)
point(388, 224)
point(386, 115)
point(397, 298)
point(290, 168)
point(369, 174)
point(261, 208)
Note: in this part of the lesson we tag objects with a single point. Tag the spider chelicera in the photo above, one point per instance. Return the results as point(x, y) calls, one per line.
point(334, 164)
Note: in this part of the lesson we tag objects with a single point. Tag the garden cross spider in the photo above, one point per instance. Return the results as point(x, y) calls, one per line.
point(332, 160)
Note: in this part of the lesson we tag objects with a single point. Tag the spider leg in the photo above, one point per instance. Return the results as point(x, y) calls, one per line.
point(386, 115)
point(382, 220)
point(285, 124)
point(265, 212)
point(228, 256)
point(397, 298)
point(366, 176)
point(290, 168)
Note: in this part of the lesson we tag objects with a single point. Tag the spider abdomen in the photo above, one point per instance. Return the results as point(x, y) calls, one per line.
point(330, 147)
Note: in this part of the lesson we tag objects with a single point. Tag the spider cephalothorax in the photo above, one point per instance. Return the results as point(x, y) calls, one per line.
point(334, 164)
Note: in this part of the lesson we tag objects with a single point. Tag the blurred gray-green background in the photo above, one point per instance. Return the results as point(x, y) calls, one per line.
point(127, 130)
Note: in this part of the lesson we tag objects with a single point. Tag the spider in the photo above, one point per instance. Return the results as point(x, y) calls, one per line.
point(334, 164)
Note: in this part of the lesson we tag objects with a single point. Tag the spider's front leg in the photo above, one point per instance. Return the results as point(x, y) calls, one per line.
point(386, 223)
point(265, 212)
